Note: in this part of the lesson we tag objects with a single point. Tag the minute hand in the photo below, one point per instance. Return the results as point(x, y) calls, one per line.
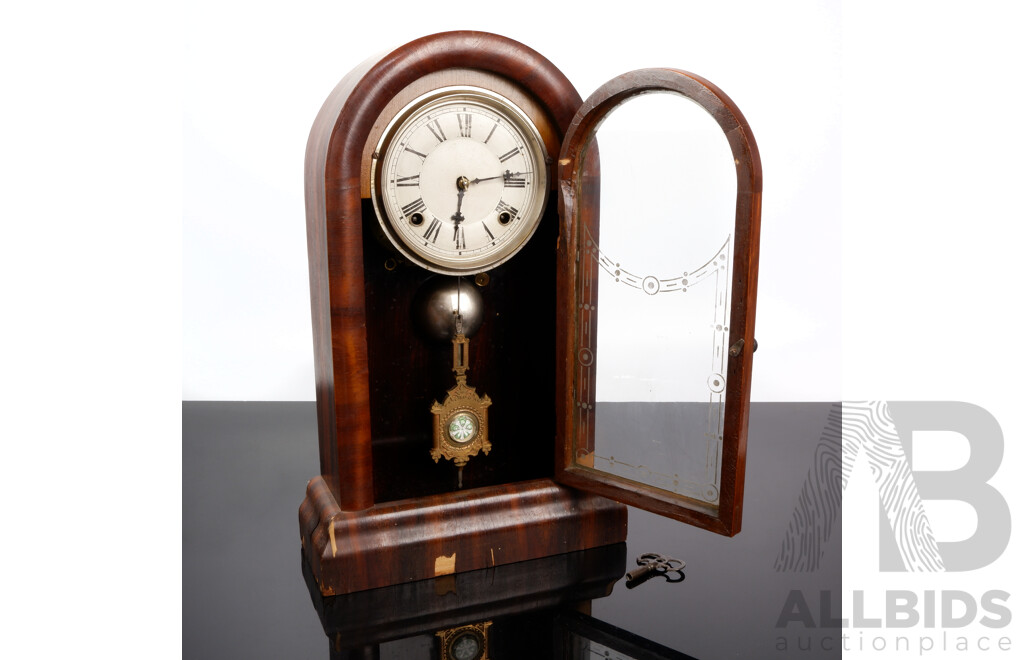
point(507, 175)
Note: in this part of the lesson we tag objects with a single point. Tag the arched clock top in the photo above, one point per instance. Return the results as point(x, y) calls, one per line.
point(650, 81)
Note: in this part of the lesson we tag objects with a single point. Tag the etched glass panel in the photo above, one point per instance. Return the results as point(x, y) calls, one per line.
point(653, 298)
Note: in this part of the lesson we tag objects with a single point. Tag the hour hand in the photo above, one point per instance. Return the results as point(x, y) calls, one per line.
point(458, 217)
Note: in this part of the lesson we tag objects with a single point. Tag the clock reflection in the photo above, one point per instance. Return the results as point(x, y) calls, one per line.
point(533, 609)
point(466, 648)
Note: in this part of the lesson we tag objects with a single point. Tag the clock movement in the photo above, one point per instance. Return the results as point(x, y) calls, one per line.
point(478, 400)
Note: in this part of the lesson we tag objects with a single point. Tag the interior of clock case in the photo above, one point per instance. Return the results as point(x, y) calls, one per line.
point(512, 360)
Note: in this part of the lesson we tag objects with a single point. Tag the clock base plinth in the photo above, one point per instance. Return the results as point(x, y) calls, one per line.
point(427, 537)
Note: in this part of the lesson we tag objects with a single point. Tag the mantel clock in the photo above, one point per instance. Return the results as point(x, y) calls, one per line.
point(488, 322)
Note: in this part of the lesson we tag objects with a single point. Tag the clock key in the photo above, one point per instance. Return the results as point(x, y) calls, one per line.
point(651, 564)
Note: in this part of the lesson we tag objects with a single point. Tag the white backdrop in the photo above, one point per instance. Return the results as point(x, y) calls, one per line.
point(932, 218)
point(255, 79)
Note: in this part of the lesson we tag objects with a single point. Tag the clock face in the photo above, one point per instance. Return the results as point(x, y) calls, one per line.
point(460, 180)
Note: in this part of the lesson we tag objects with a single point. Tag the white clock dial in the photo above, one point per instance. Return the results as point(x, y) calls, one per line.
point(460, 180)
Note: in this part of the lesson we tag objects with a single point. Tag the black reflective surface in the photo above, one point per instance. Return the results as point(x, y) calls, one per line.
point(245, 467)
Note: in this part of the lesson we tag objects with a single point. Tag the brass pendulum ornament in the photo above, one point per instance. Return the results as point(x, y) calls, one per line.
point(460, 423)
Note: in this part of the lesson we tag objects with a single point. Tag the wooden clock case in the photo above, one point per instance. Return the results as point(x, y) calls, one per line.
point(381, 512)
point(414, 608)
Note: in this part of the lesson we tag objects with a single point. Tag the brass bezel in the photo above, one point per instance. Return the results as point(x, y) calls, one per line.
point(480, 631)
point(530, 216)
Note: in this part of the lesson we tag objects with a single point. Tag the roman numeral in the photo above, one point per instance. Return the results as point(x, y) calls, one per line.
point(413, 180)
point(465, 125)
point(515, 182)
point(414, 207)
point(433, 231)
point(413, 151)
point(508, 155)
point(438, 132)
point(459, 238)
point(505, 208)
point(490, 134)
